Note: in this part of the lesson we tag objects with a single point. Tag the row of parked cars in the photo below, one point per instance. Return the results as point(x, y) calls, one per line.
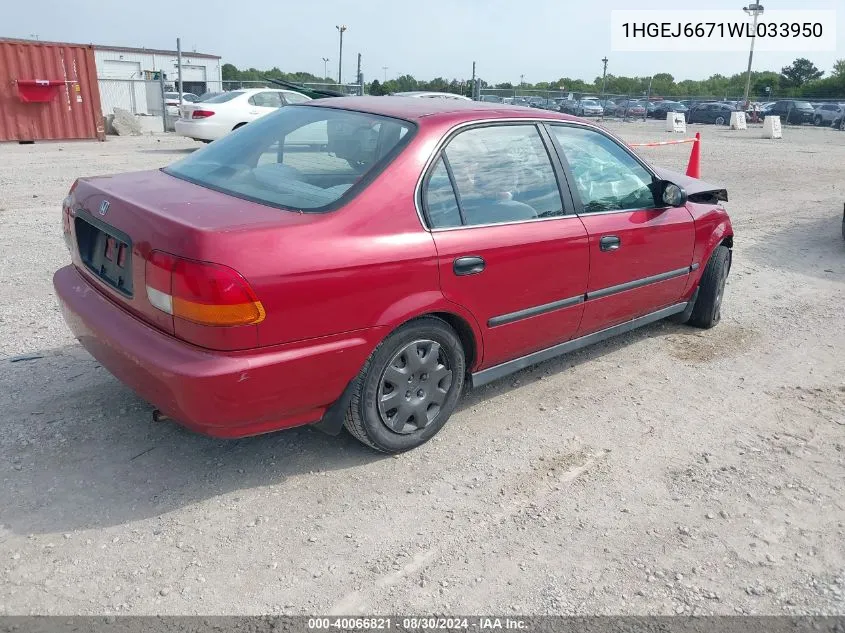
point(212, 115)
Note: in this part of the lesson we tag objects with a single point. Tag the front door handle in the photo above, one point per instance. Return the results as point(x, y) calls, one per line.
point(610, 243)
point(468, 265)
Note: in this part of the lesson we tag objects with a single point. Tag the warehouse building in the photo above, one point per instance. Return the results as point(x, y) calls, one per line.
point(129, 77)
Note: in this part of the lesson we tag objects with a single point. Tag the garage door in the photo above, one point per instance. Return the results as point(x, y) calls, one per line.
point(119, 69)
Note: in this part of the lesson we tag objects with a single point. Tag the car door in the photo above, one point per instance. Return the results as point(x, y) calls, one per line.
point(510, 249)
point(640, 251)
point(262, 103)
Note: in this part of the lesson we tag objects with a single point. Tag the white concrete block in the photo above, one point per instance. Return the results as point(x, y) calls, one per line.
point(676, 122)
point(772, 128)
point(738, 121)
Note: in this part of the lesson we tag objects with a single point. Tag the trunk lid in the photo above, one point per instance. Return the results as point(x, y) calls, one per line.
point(119, 220)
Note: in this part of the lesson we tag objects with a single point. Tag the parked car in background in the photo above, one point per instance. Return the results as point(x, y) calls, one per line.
point(631, 109)
point(662, 108)
point(490, 99)
point(254, 285)
point(717, 112)
point(208, 95)
point(828, 114)
point(589, 107)
point(421, 94)
point(171, 101)
point(214, 118)
point(793, 111)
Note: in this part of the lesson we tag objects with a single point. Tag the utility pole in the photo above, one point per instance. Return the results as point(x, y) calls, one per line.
point(340, 29)
point(648, 97)
point(326, 61)
point(384, 68)
point(179, 68)
point(360, 78)
point(472, 88)
point(755, 9)
point(604, 61)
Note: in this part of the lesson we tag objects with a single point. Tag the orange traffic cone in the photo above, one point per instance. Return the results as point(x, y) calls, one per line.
point(694, 167)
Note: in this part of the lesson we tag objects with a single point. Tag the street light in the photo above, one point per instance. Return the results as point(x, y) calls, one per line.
point(384, 68)
point(325, 66)
point(604, 61)
point(340, 29)
point(755, 10)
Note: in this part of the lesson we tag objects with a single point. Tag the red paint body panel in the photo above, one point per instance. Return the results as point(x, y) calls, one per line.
point(527, 265)
point(334, 285)
point(652, 242)
point(73, 112)
point(222, 394)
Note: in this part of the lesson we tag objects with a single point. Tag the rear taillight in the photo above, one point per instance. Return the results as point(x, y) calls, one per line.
point(67, 214)
point(202, 292)
point(202, 114)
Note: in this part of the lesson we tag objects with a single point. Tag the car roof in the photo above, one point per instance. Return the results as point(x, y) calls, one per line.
point(413, 109)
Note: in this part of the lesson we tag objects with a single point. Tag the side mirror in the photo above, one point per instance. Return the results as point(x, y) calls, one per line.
point(672, 195)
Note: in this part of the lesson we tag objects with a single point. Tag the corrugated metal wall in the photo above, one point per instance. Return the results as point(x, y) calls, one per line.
point(73, 113)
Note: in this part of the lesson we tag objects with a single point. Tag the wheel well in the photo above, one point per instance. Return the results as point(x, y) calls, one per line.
point(464, 332)
point(728, 241)
point(243, 123)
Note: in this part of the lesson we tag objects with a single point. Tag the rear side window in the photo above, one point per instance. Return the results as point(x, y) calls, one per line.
point(266, 100)
point(500, 174)
point(295, 97)
point(440, 202)
point(303, 159)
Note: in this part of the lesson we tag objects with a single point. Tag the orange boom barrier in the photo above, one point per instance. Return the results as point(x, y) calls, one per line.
point(694, 165)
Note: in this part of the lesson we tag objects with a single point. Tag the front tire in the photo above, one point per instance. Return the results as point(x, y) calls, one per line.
point(409, 387)
point(707, 311)
point(720, 120)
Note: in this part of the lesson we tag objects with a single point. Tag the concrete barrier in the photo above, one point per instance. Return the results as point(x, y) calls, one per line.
point(772, 128)
point(738, 121)
point(676, 122)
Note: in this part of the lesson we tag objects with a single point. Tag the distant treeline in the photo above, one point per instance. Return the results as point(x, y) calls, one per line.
point(800, 79)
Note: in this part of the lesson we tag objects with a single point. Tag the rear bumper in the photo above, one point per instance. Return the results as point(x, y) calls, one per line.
point(201, 129)
point(223, 394)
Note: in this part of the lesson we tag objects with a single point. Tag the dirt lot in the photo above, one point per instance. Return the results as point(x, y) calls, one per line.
point(668, 471)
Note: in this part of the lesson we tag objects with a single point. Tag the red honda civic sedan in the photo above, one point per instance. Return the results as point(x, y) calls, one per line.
point(359, 261)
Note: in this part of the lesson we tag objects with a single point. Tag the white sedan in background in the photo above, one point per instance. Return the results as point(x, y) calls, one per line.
point(214, 118)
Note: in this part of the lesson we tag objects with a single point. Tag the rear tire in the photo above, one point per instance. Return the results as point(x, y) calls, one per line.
point(817, 120)
point(707, 311)
point(720, 120)
point(409, 387)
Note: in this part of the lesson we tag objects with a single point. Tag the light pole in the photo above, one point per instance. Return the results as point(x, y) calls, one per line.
point(326, 61)
point(340, 29)
point(604, 61)
point(754, 10)
point(384, 68)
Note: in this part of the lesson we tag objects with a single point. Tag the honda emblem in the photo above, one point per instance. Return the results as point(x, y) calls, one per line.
point(104, 206)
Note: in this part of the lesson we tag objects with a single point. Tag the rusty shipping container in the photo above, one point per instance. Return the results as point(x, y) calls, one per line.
point(48, 91)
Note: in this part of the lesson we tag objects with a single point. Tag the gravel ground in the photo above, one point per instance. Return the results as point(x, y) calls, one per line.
point(668, 471)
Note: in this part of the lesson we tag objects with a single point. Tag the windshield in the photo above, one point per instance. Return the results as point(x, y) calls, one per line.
point(299, 157)
point(803, 105)
point(223, 97)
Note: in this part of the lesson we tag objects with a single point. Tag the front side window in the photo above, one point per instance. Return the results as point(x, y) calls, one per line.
point(303, 158)
point(502, 174)
point(607, 177)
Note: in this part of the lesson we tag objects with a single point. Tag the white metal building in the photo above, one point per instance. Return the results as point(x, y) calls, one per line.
point(128, 77)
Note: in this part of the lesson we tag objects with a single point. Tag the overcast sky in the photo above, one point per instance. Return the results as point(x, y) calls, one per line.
point(542, 39)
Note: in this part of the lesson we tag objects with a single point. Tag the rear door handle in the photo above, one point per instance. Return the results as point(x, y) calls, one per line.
point(471, 265)
point(610, 243)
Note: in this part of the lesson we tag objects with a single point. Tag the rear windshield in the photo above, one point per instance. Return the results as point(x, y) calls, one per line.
point(223, 97)
point(298, 158)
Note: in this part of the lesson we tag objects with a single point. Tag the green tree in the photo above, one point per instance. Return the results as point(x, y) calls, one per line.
point(801, 71)
point(376, 88)
point(839, 68)
point(230, 72)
